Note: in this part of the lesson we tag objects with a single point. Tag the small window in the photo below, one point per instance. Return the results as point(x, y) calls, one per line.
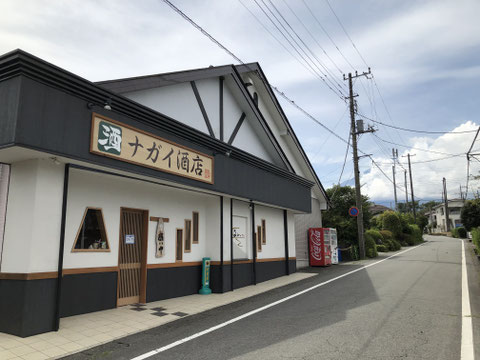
point(188, 235)
point(259, 238)
point(195, 227)
point(255, 98)
point(92, 235)
point(264, 232)
point(179, 245)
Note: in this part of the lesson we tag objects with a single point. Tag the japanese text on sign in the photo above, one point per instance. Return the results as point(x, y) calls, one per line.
point(125, 143)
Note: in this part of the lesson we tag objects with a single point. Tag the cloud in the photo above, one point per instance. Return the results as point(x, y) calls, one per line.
point(428, 168)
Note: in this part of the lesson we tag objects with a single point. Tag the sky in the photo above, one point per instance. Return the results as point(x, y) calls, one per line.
point(424, 56)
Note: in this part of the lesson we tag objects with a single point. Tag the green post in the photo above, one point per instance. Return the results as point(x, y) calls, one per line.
point(205, 290)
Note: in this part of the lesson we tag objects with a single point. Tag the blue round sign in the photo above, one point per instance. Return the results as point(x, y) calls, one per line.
point(353, 211)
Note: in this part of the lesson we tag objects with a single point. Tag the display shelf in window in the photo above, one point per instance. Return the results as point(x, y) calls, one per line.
point(92, 234)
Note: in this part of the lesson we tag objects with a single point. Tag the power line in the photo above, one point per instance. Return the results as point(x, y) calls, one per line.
point(313, 37)
point(416, 130)
point(193, 23)
point(410, 147)
point(272, 35)
point(273, 87)
point(326, 33)
point(346, 33)
point(339, 94)
point(306, 46)
point(426, 161)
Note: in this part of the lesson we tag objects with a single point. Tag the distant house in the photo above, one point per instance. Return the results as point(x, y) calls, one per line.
point(437, 218)
point(377, 210)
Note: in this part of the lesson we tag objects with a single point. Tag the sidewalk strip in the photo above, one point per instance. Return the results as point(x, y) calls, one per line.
point(467, 350)
point(253, 312)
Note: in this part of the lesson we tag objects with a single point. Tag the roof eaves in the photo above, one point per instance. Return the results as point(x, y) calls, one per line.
point(256, 67)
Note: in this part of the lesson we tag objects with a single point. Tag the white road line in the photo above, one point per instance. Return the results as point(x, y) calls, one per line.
point(250, 313)
point(467, 350)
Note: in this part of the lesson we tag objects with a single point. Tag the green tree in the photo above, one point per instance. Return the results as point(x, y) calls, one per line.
point(342, 198)
point(470, 215)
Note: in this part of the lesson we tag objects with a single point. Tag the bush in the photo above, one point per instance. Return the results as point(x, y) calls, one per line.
point(454, 233)
point(391, 221)
point(382, 248)
point(387, 235)
point(470, 215)
point(396, 245)
point(389, 245)
point(416, 234)
point(476, 238)
point(408, 240)
point(462, 233)
point(376, 235)
point(370, 246)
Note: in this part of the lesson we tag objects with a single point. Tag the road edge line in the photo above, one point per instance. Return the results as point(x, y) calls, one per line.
point(265, 307)
point(467, 349)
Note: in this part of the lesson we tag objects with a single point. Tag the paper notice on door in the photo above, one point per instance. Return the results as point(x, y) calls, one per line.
point(129, 239)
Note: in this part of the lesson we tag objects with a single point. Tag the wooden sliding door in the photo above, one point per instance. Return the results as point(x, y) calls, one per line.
point(132, 273)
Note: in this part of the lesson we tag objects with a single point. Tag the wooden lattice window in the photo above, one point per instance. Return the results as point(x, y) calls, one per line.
point(179, 245)
point(264, 232)
point(195, 227)
point(188, 235)
point(259, 238)
point(92, 235)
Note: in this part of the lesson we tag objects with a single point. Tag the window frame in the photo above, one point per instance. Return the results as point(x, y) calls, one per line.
point(177, 253)
point(259, 238)
point(108, 249)
point(195, 227)
point(187, 235)
point(264, 232)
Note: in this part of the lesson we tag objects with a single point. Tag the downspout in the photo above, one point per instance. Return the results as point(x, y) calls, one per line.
point(231, 243)
point(61, 249)
point(285, 229)
point(254, 242)
point(221, 242)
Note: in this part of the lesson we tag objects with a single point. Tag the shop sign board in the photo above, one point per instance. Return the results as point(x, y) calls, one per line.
point(239, 237)
point(125, 143)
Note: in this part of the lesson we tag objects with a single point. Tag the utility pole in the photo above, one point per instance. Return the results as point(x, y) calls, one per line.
point(394, 156)
point(411, 187)
point(406, 192)
point(354, 133)
point(445, 199)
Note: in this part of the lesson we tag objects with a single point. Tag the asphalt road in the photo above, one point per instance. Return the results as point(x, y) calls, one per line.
point(407, 307)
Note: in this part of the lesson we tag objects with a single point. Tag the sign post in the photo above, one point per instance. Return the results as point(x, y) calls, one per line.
point(205, 290)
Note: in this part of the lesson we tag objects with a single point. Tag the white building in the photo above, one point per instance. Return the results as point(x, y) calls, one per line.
point(112, 193)
point(437, 218)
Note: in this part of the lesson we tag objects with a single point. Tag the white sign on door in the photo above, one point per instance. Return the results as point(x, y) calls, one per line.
point(239, 235)
point(130, 239)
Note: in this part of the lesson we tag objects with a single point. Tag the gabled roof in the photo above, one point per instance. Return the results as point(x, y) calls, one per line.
point(20, 63)
point(164, 79)
point(126, 85)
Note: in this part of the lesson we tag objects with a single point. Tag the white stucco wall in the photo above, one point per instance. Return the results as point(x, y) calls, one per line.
point(32, 229)
point(177, 101)
point(275, 233)
point(111, 193)
point(4, 181)
point(302, 223)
